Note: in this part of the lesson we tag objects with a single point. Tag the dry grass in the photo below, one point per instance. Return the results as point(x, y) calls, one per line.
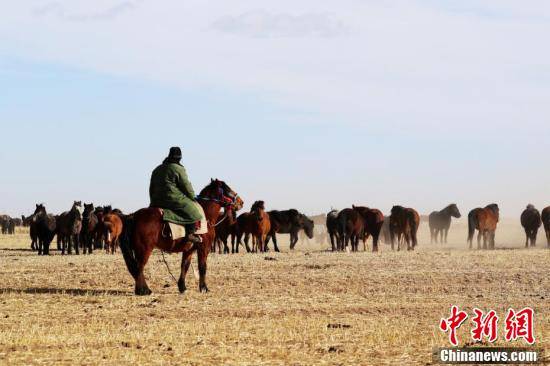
point(306, 307)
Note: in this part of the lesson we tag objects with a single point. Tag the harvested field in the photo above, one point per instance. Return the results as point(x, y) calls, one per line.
point(305, 307)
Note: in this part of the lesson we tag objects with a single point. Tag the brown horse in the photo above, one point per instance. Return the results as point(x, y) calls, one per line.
point(143, 232)
point(404, 223)
point(225, 229)
point(485, 221)
point(545, 216)
point(530, 220)
point(112, 229)
point(243, 228)
point(374, 219)
point(260, 225)
point(351, 227)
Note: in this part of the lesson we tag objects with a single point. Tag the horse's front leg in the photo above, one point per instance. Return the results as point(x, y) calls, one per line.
point(186, 258)
point(202, 257)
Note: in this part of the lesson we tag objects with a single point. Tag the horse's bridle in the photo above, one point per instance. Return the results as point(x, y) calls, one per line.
point(224, 200)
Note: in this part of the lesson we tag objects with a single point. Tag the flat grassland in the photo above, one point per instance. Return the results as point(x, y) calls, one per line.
point(304, 307)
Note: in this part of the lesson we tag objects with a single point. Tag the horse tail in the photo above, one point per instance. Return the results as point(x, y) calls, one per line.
point(126, 246)
point(107, 230)
point(471, 226)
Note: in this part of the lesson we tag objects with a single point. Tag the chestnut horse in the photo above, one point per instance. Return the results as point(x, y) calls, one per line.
point(485, 221)
point(112, 228)
point(404, 223)
point(545, 216)
point(374, 219)
point(530, 220)
point(351, 227)
point(143, 232)
point(260, 226)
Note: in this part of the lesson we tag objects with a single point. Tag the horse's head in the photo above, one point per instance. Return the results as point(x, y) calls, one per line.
point(308, 225)
point(39, 208)
point(257, 209)
point(77, 207)
point(453, 210)
point(107, 209)
point(88, 209)
point(220, 192)
point(530, 207)
point(494, 207)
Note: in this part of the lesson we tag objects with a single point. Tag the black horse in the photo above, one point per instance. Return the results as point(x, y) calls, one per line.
point(288, 222)
point(440, 222)
point(531, 221)
point(88, 232)
point(69, 226)
point(30, 221)
point(46, 226)
point(332, 229)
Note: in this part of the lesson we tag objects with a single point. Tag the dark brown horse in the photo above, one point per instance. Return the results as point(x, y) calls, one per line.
point(243, 228)
point(143, 232)
point(404, 223)
point(69, 226)
point(373, 221)
point(289, 222)
point(351, 227)
point(89, 223)
point(545, 216)
point(332, 229)
point(260, 225)
point(531, 222)
point(224, 230)
point(484, 220)
point(440, 222)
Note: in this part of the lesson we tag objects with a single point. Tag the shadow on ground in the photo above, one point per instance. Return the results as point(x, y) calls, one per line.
point(64, 291)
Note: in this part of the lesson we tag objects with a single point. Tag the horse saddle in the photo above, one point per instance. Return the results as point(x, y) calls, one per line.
point(177, 231)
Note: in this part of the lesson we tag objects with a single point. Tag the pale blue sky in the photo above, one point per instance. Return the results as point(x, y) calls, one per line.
point(307, 105)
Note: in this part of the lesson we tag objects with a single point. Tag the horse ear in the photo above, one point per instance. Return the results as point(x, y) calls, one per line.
point(353, 206)
point(37, 205)
point(211, 180)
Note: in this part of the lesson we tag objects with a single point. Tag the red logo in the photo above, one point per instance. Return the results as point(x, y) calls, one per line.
point(485, 325)
point(453, 323)
point(518, 325)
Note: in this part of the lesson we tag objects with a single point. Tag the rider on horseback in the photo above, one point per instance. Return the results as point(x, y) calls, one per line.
point(171, 190)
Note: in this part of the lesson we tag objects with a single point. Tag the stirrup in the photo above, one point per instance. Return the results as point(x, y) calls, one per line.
point(166, 232)
point(194, 239)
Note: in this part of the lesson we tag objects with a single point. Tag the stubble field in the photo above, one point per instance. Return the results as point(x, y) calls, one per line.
point(303, 307)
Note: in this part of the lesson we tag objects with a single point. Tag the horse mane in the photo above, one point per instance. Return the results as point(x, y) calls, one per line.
point(396, 209)
point(493, 207)
point(258, 205)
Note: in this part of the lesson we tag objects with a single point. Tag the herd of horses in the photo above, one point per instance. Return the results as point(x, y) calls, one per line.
point(83, 227)
point(87, 228)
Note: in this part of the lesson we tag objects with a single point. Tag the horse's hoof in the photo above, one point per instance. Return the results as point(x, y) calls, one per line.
point(203, 289)
point(144, 291)
point(181, 287)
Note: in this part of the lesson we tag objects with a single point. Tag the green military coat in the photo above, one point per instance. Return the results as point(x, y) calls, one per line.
point(171, 190)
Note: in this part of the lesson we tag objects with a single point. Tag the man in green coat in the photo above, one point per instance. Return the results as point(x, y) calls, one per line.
point(171, 190)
